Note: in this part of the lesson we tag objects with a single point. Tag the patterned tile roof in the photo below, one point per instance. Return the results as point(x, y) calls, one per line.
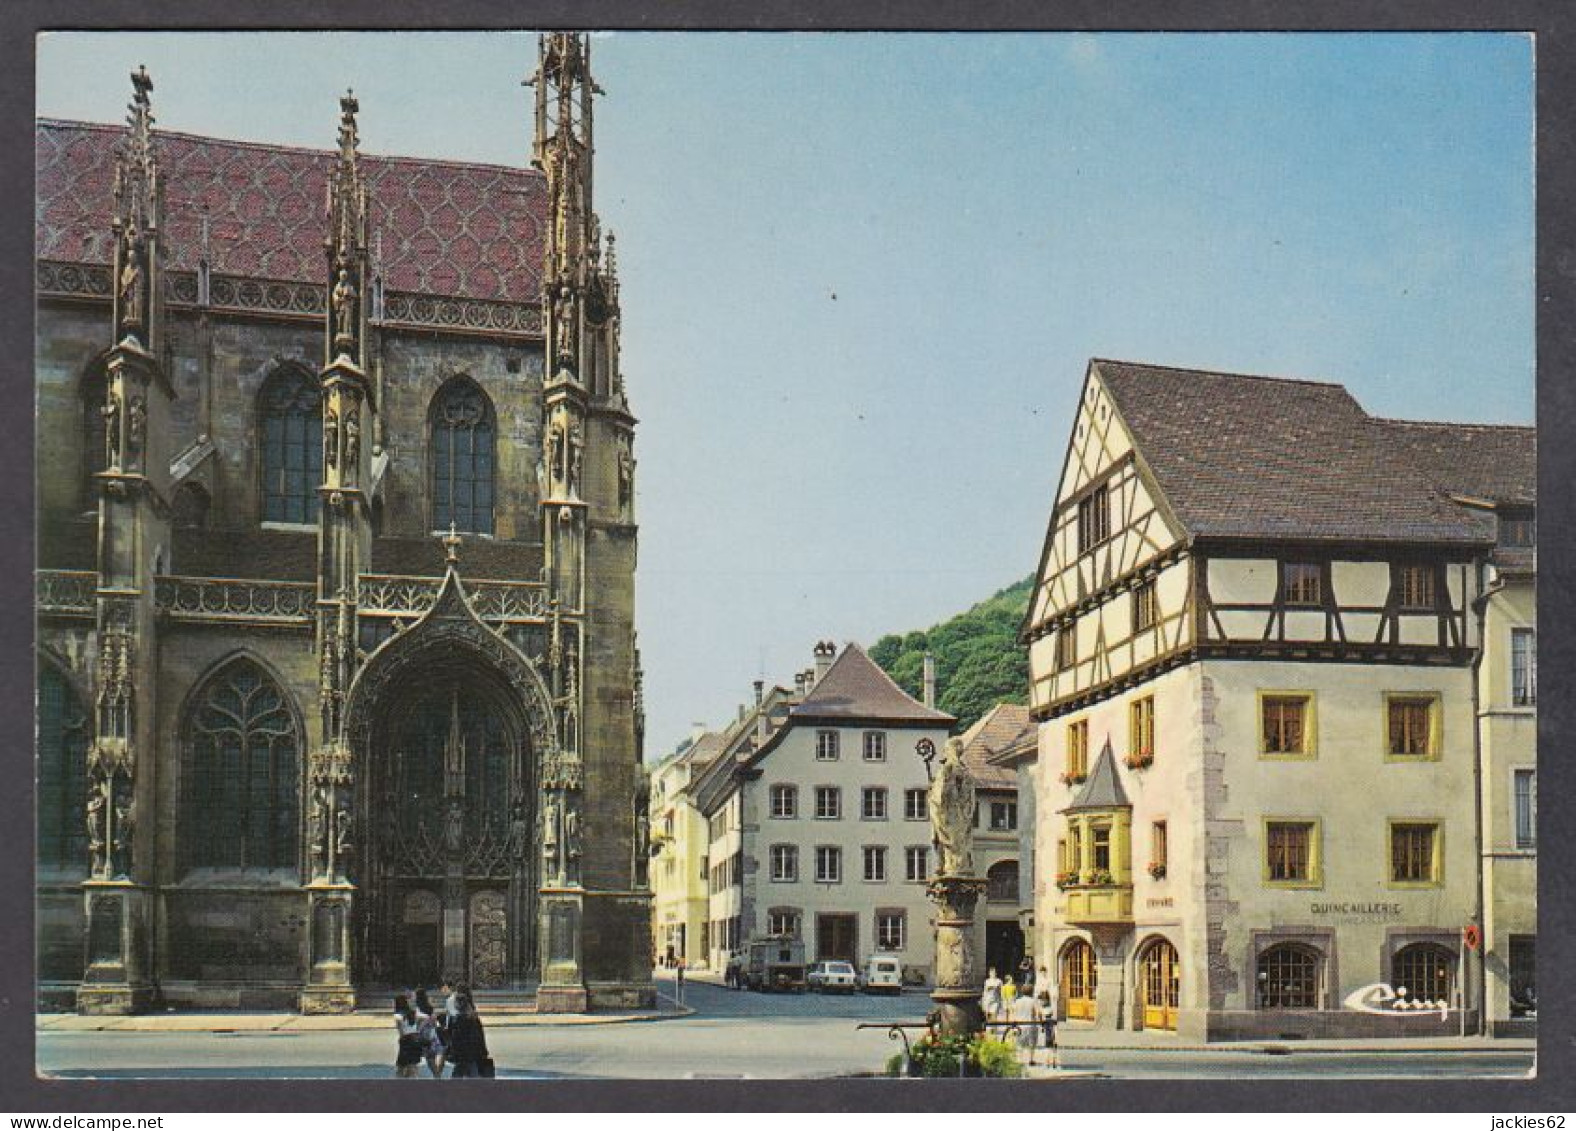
point(1003, 726)
point(1240, 456)
point(1493, 462)
point(447, 228)
point(855, 687)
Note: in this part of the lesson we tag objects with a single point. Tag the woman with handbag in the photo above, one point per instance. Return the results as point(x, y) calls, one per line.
point(407, 1022)
point(468, 1042)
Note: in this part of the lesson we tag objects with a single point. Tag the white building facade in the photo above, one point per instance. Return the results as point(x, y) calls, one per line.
point(818, 821)
point(1251, 652)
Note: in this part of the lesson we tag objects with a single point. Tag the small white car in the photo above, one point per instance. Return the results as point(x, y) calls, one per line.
point(832, 977)
point(882, 975)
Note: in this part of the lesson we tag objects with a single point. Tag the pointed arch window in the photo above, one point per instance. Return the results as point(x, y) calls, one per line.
point(291, 420)
point(240, 775)
point(62, 772)
point(463, 433)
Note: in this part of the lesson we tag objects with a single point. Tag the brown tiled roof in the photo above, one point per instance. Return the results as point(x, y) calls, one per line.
point(1497, 463)
point(1003, 726)
point(1240, 456)
point(704, 749)
point(855, 687)
point(448, 228)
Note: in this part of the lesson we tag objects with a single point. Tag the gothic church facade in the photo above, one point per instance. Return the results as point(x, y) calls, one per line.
point(338, 680)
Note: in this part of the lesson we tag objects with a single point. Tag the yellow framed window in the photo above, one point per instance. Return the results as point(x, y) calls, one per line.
point(1157, 847)
point(1078, 749)
point(1291, 852)
point(1145, 607)
point(1415, 852)
point(1286, 725)
point(1141, 730)
point(1412, 726)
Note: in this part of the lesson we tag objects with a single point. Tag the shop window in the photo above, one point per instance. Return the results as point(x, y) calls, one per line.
point(1289, 977)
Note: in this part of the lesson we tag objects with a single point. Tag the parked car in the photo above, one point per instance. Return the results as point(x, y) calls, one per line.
point(775, 962)
point(882, 975)
point(832, 977)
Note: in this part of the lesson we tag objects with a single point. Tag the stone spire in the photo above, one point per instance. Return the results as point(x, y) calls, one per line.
point(347, 243)
point(563, 150)
point(138, 212)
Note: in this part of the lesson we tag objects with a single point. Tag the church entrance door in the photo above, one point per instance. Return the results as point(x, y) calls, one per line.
point(449, 884)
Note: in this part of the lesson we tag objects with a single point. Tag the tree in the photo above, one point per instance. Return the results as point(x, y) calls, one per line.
point(979, 660)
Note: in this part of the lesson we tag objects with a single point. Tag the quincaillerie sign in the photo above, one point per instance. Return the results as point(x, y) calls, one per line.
point(1357, 910)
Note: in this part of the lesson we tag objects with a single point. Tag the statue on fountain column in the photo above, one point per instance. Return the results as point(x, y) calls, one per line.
point(952, 804)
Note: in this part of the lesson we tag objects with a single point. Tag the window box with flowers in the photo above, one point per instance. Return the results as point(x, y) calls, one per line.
point(1065, 880)
point(1099, 878)
point(1073, 777)
point(1140, 761)
point(1157, 870)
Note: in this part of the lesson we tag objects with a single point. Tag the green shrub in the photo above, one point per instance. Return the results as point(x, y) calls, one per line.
point(995, 1057)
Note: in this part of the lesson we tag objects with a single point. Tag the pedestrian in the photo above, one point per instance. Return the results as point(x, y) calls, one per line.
point(432, 1049)
point(407, 1063)
point(990, 1000)
point(1024, 1013)
point(1009, 994)
point(450, 1002)
point(1026, 973)
point(468, 1042)
point(678, 979)
point(1042, 984)
point(1048, 1025)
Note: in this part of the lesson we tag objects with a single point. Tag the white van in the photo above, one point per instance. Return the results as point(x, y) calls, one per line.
point(883, 974)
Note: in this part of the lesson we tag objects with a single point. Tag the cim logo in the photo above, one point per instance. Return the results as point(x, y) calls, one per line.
point(1384, 999)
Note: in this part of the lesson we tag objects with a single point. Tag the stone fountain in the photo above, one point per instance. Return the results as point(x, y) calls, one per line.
point(955, 891)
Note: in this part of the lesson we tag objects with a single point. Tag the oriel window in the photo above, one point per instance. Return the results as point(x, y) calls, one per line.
point(290, 413)
point(462, 458)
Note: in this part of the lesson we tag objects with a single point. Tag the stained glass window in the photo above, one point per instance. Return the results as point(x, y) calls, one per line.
point(62, 772)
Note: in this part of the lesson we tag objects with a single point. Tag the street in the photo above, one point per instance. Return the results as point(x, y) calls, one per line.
point(732, 1035)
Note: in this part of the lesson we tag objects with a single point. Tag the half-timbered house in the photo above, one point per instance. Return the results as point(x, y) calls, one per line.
point(1251, 649)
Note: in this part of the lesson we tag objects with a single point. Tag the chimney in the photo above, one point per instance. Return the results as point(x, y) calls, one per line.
point(798, 684)
point(760, 690)
point(930, 681)
point(760, 715)
point(825, 653)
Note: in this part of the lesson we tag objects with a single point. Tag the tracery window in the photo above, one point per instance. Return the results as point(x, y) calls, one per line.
point(462, 458)
point(290, 411)
point(62, 772)
point(241, 773)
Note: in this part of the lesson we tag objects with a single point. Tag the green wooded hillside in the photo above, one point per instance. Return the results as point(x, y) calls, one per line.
point(979, 661)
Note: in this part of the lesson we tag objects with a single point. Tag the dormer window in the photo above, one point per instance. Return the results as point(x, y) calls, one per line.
point(1518, 531)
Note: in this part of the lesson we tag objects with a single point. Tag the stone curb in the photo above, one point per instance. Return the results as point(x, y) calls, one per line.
point(318, 1023)
point(1382, 1047)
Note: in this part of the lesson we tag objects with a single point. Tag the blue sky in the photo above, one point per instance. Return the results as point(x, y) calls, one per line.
point(863, 273)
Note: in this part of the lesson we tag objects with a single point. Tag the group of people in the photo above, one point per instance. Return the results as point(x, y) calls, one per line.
point(1021, 1003)
point(451, 1036)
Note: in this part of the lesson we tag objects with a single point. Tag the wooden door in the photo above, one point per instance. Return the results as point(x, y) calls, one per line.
point(1079, 981)
point(1161, 978)
point(834, 938)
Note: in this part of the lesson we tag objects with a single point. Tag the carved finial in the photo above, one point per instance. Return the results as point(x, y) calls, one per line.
point(451, 546)
point(349, 137)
